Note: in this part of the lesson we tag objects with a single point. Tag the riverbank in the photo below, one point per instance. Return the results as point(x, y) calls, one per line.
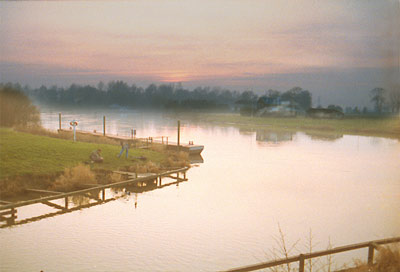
point(380, 127)
point(37, 161)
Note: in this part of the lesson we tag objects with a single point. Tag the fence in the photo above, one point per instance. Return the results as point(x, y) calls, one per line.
point(164, 139)
point(371, 245)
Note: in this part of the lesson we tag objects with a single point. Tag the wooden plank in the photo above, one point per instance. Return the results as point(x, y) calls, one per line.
point(53, 205)
point(350, 247)
point(61, 195)
point(43, 191)
point(171, 183)
point(5, 202)
point(91, 185)
point(92, 197)
point(176, 178)
point(47, 215)
point(265, 265)
point(12, 211)
point(125, 173)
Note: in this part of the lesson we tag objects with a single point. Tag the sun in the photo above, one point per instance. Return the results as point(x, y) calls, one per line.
point(175, 77)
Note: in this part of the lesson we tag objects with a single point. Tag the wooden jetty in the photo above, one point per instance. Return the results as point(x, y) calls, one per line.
point(192, 149)
point(144, 142)
point(135, 183)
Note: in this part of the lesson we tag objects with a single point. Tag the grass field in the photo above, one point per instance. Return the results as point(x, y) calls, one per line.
point(382, 127)
point(27, 154)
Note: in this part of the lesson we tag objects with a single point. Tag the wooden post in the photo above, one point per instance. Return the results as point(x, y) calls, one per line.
point(162, 139)
point(184, 175)
point(370, 254)
point(104, 125)
point(59, 120)
point(301, 263)
point(167, 140)
point(103, 194)
point(132, 133)
point(66, 202)
point(179, 133)
point(13, 216)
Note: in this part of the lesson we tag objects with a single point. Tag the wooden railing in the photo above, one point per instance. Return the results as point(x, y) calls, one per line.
point(8, 210)
point(58, 195)
point(371, 245)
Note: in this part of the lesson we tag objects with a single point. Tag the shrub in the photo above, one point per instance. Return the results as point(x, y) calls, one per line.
point(74, 178)
point(178, 159)
point(16, 108)
point(387, 260)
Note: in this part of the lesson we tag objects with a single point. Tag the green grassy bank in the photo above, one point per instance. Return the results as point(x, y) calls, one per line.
point(381, 127)
point(35, 161)
point(23, 153)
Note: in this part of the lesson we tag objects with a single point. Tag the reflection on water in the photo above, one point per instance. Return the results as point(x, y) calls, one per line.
point(324, 136)
point(273, 136)
point(278, 136)
point(346, 190)
point(196, 158)
point(95, 197)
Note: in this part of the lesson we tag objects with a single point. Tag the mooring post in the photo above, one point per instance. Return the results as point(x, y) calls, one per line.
point(59, 121)
point(179, 133)
point(301, 263)
point(104, 125)
point(371, 254)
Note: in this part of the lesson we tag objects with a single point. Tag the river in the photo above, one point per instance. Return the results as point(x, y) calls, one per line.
point(344, 189)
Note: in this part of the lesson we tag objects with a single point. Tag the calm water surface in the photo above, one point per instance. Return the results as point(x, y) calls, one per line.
point(345, 189)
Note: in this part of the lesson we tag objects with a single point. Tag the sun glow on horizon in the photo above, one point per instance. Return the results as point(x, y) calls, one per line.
point(195, 41)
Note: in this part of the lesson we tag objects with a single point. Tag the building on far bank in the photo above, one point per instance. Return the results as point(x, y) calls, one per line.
point(324, 113)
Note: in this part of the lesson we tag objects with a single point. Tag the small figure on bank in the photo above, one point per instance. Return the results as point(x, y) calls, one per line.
point(125, 146)
point(96, 156)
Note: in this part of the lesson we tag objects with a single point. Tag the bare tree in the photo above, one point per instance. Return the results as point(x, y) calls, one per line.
point(378, 98)
point(394, 97)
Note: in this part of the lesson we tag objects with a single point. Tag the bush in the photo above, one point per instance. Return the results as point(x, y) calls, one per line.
point(74, 178)
point(16, 109)
point(387, 260)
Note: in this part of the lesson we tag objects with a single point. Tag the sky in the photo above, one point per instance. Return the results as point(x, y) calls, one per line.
point(338, 50)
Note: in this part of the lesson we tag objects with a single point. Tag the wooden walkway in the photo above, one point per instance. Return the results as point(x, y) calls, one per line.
point(146, 142)
point(143, 182)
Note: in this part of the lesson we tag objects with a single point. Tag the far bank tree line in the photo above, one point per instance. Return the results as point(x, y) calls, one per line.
point(164, 96)
point(175, 97)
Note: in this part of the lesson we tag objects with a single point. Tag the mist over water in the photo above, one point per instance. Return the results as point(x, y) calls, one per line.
point(344, 188)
